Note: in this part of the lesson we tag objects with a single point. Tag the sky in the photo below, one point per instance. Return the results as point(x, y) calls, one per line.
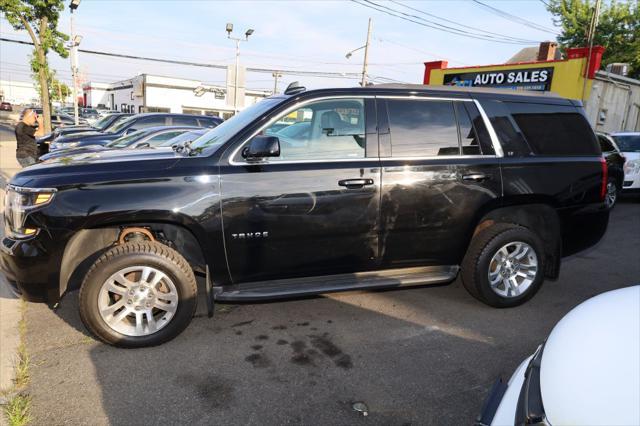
point(289, 35)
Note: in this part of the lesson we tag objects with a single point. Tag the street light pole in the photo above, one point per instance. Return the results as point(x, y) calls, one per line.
point(366, 55)
point(74, 62)
point(247, 33)
point(276, 75)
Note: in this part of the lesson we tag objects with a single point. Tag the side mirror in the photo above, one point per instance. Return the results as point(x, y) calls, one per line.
point(261, 147)
point(129, 131)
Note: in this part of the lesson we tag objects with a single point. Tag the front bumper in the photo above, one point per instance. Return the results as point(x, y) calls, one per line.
point(631, 183)
point(31, 268)
point(501, 403)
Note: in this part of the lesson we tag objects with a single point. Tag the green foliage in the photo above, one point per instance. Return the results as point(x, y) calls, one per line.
point(40, 18)
point(618, 29)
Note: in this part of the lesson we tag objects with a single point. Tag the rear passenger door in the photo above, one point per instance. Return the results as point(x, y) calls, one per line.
point(439, 171)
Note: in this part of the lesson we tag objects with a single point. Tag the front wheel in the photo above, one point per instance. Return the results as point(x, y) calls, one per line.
point(138, 294)
point(504, 265)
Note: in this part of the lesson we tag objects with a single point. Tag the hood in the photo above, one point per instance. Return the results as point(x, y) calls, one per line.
point(96, 166)
point(590, 372)
point(631, 155)
point(72, 152)
point(74, 137)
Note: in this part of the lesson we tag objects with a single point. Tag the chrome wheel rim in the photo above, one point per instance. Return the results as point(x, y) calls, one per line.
point(512, 269)
point(612, 194)
point(138, 301)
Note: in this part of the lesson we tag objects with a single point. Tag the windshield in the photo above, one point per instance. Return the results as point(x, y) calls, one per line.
point(127, 140)
point(103, 123)
point(628, 143)
point(121, 124)
point(229, 128)
point(185, 137)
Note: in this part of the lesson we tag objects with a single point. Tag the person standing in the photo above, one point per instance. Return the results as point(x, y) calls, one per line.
point(26, 131)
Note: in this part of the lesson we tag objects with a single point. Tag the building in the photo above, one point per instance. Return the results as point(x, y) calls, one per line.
point(614, 104)
point(612, 101)
point(152, 93)
point(18, 92)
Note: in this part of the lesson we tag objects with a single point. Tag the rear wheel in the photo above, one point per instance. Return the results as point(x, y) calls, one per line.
point(138, 294)
point(504, 265)
point(612, 193)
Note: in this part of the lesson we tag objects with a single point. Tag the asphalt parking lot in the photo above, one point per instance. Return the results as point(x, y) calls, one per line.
point(415, 356)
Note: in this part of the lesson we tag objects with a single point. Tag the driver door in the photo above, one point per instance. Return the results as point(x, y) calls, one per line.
point(313, 210)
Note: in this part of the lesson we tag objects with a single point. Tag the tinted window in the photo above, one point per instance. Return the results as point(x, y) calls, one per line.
point(468, 137)
point(605, 144)
point(184, 121)
point(554, 130)
point(422, 128)
point(479, 126)
point(512, 141)
point(335, 130)
point(156, 120)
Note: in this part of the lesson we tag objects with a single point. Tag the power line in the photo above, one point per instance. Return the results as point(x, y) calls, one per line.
point(325, 74)
point(515, 18)
point(503, 36)
point(412, 18)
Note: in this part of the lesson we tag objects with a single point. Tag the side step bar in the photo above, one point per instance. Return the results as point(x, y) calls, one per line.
point(292, 287)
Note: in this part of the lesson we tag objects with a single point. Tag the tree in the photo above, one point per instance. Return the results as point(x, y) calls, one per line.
point(58, 91)
point(40, 19)
point(618, 29)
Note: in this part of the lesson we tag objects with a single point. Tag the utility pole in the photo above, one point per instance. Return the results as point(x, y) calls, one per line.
point(74, 61)
point(590, 36)
point(366, 55)
point(276, 75)
point(363, 82)
point(229, 29)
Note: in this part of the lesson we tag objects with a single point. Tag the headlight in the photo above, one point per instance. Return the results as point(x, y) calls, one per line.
point(632, 167)
point(19, 202)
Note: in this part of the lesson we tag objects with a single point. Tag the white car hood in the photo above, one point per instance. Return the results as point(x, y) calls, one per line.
point(590, 371)
point(631, 155)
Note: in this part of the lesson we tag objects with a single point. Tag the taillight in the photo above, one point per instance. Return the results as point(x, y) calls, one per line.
point(605, 177)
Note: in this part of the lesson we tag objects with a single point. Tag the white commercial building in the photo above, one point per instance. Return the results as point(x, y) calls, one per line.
point(151, 93)
point(614, 103)
point(18, 92)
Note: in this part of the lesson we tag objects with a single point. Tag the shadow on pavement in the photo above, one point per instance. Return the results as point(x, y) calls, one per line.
point(421, 356)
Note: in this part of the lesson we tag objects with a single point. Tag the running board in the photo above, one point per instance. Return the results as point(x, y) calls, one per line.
point(295, 287)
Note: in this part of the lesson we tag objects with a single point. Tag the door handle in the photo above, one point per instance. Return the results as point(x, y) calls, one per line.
point(475, 177)
point(355, 183)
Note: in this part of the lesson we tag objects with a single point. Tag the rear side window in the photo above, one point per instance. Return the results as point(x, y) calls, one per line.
point(510, 137)
point(143, 123)
point(184, 121)
point(554, 130)
point(422, 128)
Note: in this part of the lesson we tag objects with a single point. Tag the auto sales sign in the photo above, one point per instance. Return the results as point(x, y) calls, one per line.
point(537, 79)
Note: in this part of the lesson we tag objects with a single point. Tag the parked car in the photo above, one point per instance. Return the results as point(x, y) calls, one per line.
point(573, 380)
point(180, 141)
point(5, 106)
point(90, 114)
point(629, 145)
point(100, 125)
point(58, 118)
point(396, 185)
point(130, 125)
point(615, 164)
point(151, 137)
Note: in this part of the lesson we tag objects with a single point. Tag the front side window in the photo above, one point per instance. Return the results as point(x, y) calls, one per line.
point(322, 130)
point(422, 128)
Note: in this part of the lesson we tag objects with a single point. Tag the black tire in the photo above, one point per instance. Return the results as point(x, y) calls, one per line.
point(145, 253)
point(475, 266)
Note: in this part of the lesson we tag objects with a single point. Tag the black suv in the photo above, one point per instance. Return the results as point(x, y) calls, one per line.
point(390, 186)
point(130, 125)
